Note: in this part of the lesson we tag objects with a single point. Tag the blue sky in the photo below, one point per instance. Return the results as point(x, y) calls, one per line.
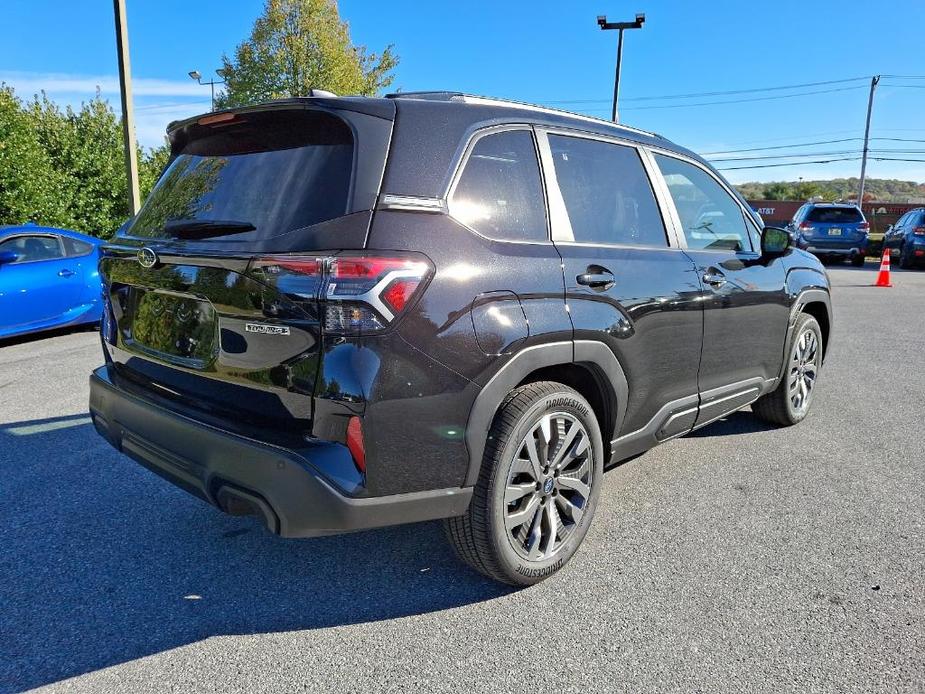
point(543, 52)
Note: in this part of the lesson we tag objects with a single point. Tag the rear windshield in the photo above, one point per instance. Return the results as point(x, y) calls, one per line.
point(275, 171)
point(835, 215)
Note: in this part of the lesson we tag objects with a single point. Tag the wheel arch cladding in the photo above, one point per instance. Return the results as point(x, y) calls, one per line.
point(820, 312)
point(589, 367)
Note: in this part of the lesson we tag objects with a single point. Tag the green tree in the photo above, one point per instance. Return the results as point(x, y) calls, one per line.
point(778, 191)
point(29, 182)
point(297, 45)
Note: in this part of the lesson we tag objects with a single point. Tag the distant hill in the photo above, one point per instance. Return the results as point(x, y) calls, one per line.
point(880, 189)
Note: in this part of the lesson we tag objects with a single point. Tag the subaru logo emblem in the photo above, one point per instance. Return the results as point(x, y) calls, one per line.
point(147, 257)
point(548, 485)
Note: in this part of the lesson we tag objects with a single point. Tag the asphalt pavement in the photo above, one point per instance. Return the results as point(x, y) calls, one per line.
point(740, 558)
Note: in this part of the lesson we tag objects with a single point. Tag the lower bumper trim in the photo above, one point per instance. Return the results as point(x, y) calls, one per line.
point(243, 476)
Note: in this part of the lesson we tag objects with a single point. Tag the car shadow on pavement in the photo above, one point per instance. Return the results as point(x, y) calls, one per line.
point(102, 562)
point(735, 423)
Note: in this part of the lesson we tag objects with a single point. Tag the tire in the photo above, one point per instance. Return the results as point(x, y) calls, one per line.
point(555, 514)
point(858, 260)
point(790, 402)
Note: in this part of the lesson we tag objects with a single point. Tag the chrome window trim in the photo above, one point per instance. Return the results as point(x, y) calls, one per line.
point(750, 223)
point(412, 203)
point(562, 233)
point(461, 165)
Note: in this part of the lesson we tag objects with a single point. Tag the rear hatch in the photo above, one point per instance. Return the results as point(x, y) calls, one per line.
point(834, 225)
point(213, 288)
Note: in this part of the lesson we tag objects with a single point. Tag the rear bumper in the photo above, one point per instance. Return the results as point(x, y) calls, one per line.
point(821, 249)
point(246, 477)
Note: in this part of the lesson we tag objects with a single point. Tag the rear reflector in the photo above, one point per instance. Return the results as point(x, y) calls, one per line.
point(355, 443)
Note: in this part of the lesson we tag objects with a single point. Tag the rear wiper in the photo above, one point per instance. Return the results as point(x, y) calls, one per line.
point(205, 228)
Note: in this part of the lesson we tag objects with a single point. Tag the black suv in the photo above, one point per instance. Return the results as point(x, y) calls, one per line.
point(344, 313)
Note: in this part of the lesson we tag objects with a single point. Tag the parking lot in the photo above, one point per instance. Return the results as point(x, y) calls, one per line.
point(740, 558)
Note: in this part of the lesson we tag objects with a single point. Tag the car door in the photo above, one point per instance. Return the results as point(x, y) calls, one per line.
point(38, 286)
point(746, 305)
point(627, 283)
point(894, 234)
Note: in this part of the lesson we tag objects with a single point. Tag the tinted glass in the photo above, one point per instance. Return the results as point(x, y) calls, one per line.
point(607, 193)
point(278, 172)
point(835, 215)
point(710, 217)
point(32, 248)
point(76, 247)
point(499, 193)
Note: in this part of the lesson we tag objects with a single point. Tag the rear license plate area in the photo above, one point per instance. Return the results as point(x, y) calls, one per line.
point(178, 328)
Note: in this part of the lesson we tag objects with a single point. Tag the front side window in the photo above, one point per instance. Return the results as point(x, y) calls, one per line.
point(606, 192)
point(28, 249)
point(499, 193)
point(710, 217)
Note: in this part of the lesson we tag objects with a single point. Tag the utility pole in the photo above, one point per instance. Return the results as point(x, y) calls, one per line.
point(870, 107)
point(128, 113)
point(620, 27)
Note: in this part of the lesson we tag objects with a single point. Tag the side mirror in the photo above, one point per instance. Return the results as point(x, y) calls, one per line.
point(775, 241)
point(7, 257)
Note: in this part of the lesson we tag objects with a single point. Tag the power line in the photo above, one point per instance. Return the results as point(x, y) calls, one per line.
point(722, 93)
point(820, 161)
point(740, 101)
point(800, 155)
point(794, 163)
point(801, 144)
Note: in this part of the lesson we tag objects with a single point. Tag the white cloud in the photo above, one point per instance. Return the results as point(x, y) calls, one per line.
point(29, 83)
point(178, 99)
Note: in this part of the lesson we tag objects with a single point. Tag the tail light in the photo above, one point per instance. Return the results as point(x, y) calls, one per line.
point(919, 231)
point(357, 293)
point(864, 226)
point(806, 226)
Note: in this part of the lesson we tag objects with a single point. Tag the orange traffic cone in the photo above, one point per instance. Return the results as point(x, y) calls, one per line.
point(883, 278)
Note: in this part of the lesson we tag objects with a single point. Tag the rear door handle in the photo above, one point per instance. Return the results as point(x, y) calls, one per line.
point(597, 278)
point(714, 279)
point(66, 273)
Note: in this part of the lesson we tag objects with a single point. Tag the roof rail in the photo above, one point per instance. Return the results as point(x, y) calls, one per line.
point(509, 103)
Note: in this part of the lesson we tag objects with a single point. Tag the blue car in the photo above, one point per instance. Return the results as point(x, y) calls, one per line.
point(48, 279)
point(906, 238)
point(831, 231)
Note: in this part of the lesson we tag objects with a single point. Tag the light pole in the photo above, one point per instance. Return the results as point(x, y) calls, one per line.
point(619, 26)
point(197, 76)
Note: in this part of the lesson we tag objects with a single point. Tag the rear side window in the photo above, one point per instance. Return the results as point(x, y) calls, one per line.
point(75, 247)
point(277, 171)
point(835, 215)
point(710, 217)
point(606, 192)
point(28, 249)
point(499, 193)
